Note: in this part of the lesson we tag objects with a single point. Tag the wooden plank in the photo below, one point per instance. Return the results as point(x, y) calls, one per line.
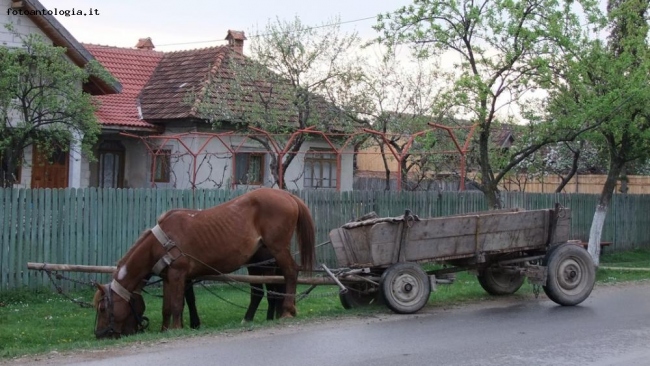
point(14, 223)
point(223, 278)
point(5, 195)
point(21, 242)
point(9, 271)
point(79, 225)
point(28, 244)
point(93, 216)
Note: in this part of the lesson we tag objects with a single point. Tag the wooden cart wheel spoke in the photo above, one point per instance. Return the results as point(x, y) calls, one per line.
point(405, 287)
point(571, 275)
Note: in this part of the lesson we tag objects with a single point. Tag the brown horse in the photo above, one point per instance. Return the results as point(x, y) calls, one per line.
point(187, 244)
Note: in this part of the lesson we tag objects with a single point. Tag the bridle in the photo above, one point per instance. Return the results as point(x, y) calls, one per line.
point(142, 322)
point(114, 286)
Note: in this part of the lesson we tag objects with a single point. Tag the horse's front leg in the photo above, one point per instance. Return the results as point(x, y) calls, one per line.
point(173, 302)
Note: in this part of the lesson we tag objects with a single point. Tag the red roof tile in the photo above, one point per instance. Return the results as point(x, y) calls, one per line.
point(179, 73)
point(133, 68)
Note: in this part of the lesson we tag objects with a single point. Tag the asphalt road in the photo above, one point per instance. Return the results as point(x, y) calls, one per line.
point(612, 327)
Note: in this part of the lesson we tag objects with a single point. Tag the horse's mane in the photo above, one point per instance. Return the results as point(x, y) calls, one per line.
point(133, 247)
point(141, 237)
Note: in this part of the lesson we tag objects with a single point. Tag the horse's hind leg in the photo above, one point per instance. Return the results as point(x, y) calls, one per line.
point(257, 293)
point(190, 299)
point(274, 295)
point(289, 269)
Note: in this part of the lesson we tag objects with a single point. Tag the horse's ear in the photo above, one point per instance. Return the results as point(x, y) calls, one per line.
point(100, 288)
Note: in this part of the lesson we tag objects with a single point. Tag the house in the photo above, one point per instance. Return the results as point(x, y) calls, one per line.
point(65, 169)
point(432, 152)
point(154, 136)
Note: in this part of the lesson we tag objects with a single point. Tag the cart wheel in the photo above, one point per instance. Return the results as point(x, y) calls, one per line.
point(499, 283)
point(405, 287)
point(571, 275)
point(359, 295)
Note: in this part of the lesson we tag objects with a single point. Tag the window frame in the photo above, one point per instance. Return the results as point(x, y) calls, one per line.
point(321, 157)
point(163, 155)
point(236, 166)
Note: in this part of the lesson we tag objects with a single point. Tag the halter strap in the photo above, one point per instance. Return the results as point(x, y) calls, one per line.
point(120, 290)
point(168, 244)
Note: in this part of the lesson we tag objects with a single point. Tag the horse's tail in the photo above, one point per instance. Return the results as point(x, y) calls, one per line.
point(306, 236)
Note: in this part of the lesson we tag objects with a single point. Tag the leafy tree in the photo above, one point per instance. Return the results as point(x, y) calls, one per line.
point(610, 84)
point(42, 102)
point(564, 160)
point(281, 87)
point(394, 98)
point(500, 50)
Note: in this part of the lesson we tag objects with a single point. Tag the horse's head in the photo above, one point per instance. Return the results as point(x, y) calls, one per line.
point(115, 315)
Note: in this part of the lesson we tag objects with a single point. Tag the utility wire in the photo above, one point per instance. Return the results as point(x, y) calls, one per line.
point(260, 35)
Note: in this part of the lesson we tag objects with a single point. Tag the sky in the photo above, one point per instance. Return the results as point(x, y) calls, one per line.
point(178, 24)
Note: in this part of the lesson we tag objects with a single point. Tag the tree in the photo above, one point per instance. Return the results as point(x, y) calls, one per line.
point(42, 103)
point(394, 98)
point(501, 50)
point(609, 83)
point(564, 160)
point(281, 87)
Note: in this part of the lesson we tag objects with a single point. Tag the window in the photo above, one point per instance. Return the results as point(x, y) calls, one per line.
point(320, 169)
point(111, 164)
point(14, 176)
point(249, 168)
point(161, 163)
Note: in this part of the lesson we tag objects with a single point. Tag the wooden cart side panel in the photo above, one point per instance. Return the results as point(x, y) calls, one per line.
point(563, 229)
point(351, 247)
point(459, 236)
point(445, 237)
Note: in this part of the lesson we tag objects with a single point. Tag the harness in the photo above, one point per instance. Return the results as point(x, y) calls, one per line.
point(141, 321)
point(168, 245)
point(158, 268)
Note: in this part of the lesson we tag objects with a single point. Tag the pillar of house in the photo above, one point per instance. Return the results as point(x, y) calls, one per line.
point(74, 171)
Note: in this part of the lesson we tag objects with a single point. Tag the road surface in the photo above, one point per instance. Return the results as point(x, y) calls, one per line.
point(612, 327)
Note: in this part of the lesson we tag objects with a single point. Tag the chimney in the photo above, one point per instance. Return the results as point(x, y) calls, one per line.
point(236, 40)
point(145, 44)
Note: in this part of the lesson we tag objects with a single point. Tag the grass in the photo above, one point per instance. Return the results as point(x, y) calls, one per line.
point(37, 322)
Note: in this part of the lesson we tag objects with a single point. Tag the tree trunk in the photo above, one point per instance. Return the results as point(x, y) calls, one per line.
point(597, 224)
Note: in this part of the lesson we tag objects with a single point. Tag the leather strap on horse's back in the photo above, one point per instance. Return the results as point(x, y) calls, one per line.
point(120, 290)
point(168, 244)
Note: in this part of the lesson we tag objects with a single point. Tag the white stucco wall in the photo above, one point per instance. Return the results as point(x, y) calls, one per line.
point(79, 166)
point(214, 163)
point(21, 23)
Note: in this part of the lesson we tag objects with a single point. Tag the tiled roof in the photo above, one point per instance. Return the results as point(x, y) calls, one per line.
point(133, 68)
point(177, 74)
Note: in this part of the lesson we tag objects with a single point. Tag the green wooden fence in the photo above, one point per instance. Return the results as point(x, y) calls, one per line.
point(96, 226)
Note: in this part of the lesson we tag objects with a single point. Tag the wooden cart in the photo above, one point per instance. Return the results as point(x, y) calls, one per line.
point(381, 259)
point(501, 247)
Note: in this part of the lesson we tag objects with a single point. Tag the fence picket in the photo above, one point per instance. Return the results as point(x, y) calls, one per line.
point(97, 226)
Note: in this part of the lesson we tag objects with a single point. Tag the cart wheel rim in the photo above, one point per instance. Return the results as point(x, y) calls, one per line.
point(406, 288)
point(569, 275)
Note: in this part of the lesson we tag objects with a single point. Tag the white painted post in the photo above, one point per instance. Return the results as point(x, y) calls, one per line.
point(74, 170)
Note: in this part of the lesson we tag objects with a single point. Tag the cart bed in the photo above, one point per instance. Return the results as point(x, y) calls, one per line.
point(376, 244)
